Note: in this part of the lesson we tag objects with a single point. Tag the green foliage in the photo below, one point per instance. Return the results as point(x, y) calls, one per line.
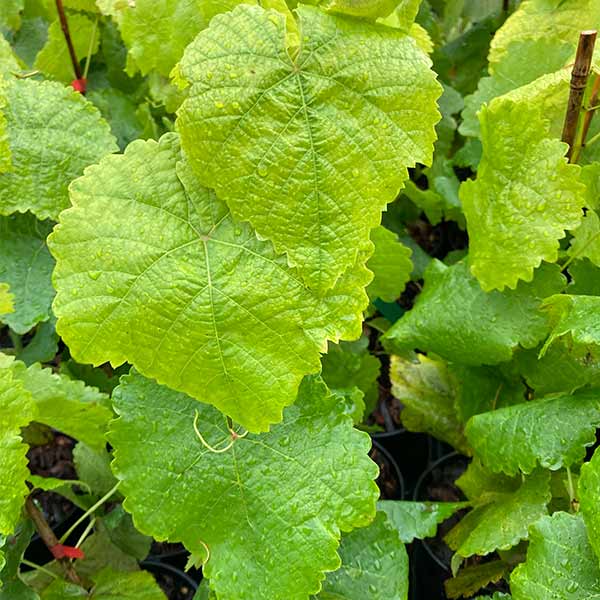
point(374, 565)
point(559, 545)
point(17, 409)
point(551, 432)
point(503, 518)
point(524, 198)
point(418, 520)
point(272, 119)
point(53, 134)
point(457, 320)
point(375, 190)
point(179, 259)
point(26, 266)
point(178, 489)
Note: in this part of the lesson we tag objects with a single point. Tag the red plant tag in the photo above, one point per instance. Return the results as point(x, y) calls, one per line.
point(59, 551)
point(79, 85)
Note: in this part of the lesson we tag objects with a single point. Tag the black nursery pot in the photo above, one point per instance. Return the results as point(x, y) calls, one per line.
point(390, 480)
point(412, 451)
point(176, 584)
point(430, 566)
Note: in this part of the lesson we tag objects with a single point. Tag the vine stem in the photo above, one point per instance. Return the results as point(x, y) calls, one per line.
point(49, 538)
point(579, 79)
point(39, 568)
point(90, 511)
point(64, 25)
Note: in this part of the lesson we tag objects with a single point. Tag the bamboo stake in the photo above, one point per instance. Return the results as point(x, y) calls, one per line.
point(579, 79)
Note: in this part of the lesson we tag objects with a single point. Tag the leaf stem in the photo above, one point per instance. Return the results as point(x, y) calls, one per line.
point(579, 79)
point(86, 532)
point(49, 538)
point(571, 489)
point(39, 568)
point(89, 511)
point(581, 250)
point(64, 24)
point(88, 58)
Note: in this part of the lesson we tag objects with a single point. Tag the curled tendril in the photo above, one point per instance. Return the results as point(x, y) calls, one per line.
point(234, 436)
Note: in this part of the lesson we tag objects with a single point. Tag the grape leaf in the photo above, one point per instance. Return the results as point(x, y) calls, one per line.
point(7, 300)
point(524, 198)
point(26, 265)
point(367, 9)
point(503, 521)
point(64, 404)
point(108, 585)
point(350, 364)
point(472, 578)
point(588, 488)
point(374, 565)
point(573, 315)
point(152, 269)
point(53, 134)
point(277, 137)
point(269, 496)
point(43, 346)
point(481, 389)
point(8, 59)
point(426, 391)
point(552, 432)
point(418, 519)
point(10, 13)
point(457, 320)
point(557, 20)
point(560, 563)
point(585, 278)
point(390, 264)
point(525, 60)
point(93, 467)
point(13, 547)
point(16, 410)
point(586, 238)
point(53, 59)
point(564, 367)
point(479, 483)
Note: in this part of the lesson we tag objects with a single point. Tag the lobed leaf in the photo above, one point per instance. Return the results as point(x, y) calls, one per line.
point(53, 133)
point(503, 520)
point(374, 565)
point(417, 520)
point(17, 409)
point(552, 432)
point(524, 198)
point(560, 563)
point(151, 269)
point(390, 264)
point(588, 494)
point(26, 266)
point(454, 318)
point(308, 148)
point(269, 496)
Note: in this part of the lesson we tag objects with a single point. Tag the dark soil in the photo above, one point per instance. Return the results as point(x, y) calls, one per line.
point(54, 459)
point(174, 583)
point(389, 482)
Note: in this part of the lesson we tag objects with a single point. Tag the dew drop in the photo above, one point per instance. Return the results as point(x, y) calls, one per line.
point(94, 274)
point(219, 104)
point(573, 586)
point(237, 231)
point(232, 75)
point(209, 75)
point(262, 171)
point(236, 105)
point(355, 172)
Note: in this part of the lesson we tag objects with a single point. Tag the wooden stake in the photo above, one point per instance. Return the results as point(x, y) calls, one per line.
point(49, 538)
point(579, 78)
point(65, 29)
